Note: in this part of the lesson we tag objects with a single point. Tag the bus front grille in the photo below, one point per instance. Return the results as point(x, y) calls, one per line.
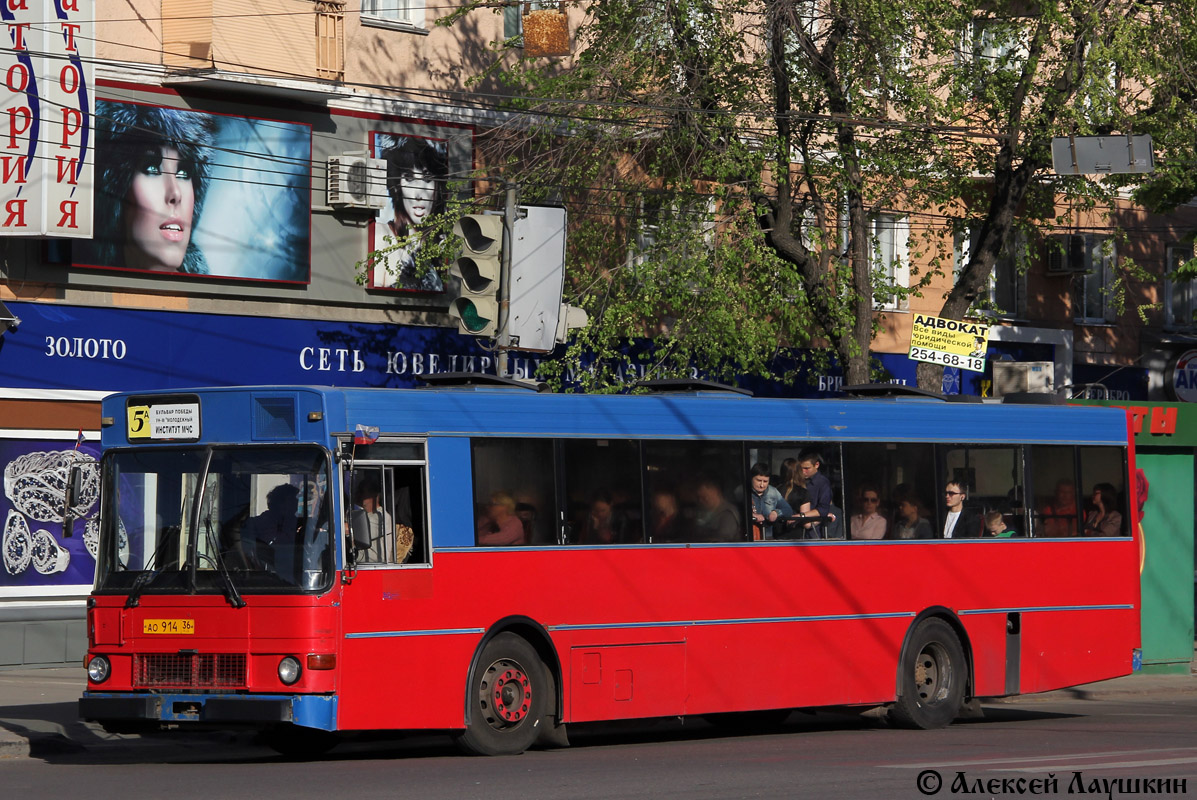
point(189, 670)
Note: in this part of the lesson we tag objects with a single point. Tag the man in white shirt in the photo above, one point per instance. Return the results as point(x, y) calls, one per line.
point(372, 519)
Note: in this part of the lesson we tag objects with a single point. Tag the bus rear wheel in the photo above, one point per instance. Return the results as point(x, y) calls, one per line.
point(931, 678)
point(506, 698)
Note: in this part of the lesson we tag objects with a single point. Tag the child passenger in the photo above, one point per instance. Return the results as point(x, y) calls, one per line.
point(995, 525)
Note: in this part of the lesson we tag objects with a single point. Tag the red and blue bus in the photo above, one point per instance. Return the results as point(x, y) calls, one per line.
point(500, 563)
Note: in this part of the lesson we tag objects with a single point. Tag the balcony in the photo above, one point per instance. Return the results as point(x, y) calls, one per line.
point(280, 39)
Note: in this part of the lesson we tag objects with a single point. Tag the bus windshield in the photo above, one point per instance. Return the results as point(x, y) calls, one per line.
point(215, 520)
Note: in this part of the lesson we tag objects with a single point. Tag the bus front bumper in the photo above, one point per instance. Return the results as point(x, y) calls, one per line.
point(309, 711)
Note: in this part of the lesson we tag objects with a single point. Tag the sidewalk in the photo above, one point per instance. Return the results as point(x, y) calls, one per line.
point(39, 707)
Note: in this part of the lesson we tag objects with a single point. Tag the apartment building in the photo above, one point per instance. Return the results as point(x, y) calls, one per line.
point(241, 158)
point(266, 133)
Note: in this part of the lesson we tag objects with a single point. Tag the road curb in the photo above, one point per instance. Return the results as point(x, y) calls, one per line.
point(1124, 688)
point(13, 745)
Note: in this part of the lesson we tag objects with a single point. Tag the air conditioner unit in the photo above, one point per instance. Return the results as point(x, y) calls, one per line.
point(1066, 254)
point(357, 181)
point(1010, 377)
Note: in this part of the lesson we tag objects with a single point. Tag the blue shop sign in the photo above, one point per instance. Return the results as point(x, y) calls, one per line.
point(113, 349)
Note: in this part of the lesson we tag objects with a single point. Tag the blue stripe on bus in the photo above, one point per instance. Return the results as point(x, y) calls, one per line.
point(745, 621)
point(1028, 609)
point(441, 632)
point(692, 623)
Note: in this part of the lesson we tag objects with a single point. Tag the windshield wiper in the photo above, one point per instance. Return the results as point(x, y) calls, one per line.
point(147, 575)
point(230, 589)
point(193, 519)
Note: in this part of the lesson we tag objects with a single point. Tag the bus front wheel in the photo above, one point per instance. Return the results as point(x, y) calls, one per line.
point(931, 678)
point(506, 698)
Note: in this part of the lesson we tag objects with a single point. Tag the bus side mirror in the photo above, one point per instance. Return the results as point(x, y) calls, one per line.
point(359, 529)
point(73, 488)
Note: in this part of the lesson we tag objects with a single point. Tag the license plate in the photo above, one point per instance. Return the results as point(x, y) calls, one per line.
point(172, 626)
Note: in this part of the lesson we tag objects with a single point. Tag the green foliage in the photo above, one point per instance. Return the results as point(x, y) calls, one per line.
point(722, 160)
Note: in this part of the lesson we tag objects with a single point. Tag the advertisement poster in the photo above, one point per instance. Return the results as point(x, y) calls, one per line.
point(47, 102)
point(949, 342)
point(36, 554)
point(418, 172)
point(192, 193)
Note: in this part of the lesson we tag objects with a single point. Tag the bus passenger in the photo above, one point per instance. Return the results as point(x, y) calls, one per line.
point(603, 525)
point(767, 503)
point(995, 525)
point(910, 523)
point(499, 526)
point(1103, 519)
point(792, 485)
point(960, 521)
point(868, 522)
point(1059, 516)
point(663, 517)
point(526, 512)
point(370, 518)
point(818, 486)
point(717, 520)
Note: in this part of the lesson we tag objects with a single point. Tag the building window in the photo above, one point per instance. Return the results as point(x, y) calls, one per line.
point(1006, 295)
point(685, 228)
point(1094, 280)
point(890, 261)
point(992, 43)
point(404, 12)
point(513, 16)
point(1180, 293)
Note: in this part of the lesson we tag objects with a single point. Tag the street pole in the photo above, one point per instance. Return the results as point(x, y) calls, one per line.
point(510, 209)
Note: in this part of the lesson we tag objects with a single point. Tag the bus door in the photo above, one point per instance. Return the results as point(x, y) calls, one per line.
point(386, 585)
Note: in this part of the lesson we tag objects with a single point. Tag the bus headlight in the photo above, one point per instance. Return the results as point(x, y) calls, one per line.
point(289, 670)
point(98, 669)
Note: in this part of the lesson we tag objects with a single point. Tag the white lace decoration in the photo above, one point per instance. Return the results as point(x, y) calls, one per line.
point(18, 544)
point(36, 483)
point(48, 556)
point(91, 537)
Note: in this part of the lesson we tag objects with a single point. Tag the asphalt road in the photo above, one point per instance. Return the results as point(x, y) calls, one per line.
point(1144, 733)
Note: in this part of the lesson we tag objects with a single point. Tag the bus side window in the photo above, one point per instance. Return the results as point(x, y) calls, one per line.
point(1055, 500)
point(387, 516)
point(901, 478)
point(1103, 481)
point(410, 527)
point(603, 490)
point(993, 475)
point(691, 488)
point(513, 492)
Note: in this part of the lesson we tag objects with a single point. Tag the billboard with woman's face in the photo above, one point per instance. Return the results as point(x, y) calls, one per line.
point(418, 171)
point(186, 192)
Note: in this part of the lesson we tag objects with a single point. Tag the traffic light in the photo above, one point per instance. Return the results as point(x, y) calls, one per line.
point(537, 251)
point(476, 307)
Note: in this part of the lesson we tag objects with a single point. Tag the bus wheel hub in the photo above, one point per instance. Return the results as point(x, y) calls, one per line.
point(511, 694)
